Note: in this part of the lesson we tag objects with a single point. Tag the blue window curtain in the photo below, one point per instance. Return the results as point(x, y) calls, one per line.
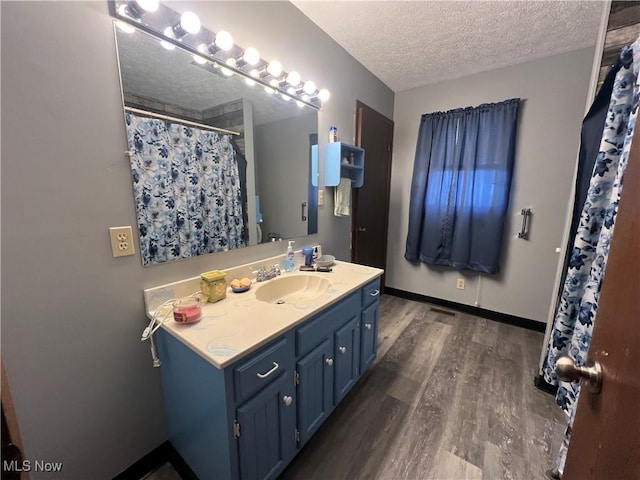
point(187, 190)
point(460, 187)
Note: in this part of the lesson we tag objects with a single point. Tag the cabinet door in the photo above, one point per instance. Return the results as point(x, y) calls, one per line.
point(347, 358)
point(369, 334)
point(267, 425)
point(315, 390)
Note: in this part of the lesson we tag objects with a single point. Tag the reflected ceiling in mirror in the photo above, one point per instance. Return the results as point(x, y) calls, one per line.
point(216, 163)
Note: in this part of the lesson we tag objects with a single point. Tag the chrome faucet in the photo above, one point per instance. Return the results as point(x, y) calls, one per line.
point(262, 274)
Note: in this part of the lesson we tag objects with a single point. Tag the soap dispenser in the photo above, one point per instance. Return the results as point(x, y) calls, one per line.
point(289, 259)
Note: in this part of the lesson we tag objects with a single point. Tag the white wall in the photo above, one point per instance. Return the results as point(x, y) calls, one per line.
point(288, 162)
point(554, 90)
point(84, 389)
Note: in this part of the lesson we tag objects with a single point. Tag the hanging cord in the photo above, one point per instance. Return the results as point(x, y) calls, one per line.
point(159, 317)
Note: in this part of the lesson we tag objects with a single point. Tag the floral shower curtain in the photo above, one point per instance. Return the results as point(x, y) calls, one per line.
point(578, 305)
point(187, 190)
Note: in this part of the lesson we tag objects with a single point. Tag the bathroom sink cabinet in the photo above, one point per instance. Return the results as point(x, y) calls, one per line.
point(248, 420)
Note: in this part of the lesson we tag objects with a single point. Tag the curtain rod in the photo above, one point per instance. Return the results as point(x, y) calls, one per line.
point(179, 120)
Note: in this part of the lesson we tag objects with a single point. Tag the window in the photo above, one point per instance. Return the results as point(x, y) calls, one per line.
point(460, 187)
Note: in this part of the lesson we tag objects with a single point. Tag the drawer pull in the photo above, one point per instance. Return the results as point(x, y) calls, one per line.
point(367, 326)
point(329, 362)
point(287, 400)
point(343, 349)
point(375, 293)
point(265, 375)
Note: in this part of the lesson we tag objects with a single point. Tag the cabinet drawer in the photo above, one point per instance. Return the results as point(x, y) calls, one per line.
point(371, 292)
point(323, 326)
point(261, 369)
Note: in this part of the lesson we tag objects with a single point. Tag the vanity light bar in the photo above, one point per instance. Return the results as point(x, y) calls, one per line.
point(185, 31)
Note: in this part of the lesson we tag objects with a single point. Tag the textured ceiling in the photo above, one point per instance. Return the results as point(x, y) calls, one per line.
point(410, 44)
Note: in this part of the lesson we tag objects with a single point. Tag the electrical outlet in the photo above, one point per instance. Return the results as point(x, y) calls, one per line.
point(121, 241)
point(460, 284)
point(317, 251)
point(320, 198)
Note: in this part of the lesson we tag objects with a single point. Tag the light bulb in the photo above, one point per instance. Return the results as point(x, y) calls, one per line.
point(299, 103)
point(125, 27)
point(224, 40)
point(309, 87)
point(274, 68)
point(138, 8)
point(251, 56)
point(255, 73)
point(323, 95)
point(166, 45)
point(190, 22)
point(202, 48)
point(148, 5)
point(274, 83)
point(232, 63)
point(294, 79)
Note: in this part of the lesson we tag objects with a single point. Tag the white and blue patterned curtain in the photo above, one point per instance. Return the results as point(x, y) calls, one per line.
point(187, 190)
point(578, 304)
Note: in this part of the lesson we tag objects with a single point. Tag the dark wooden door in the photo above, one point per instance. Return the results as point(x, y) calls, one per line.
point(606, 434)
point(374, 133)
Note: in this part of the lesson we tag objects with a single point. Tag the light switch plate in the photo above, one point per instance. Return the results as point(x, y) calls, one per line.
point(320, 197)
point(121, 241)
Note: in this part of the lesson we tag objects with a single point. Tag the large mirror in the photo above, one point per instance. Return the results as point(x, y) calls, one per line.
point(216, 163)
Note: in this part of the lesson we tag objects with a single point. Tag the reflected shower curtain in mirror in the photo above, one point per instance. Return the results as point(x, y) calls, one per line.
point(460, 187)
point(187, 190)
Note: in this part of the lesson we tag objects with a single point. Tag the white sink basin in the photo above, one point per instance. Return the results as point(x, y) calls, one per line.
point(293, 289)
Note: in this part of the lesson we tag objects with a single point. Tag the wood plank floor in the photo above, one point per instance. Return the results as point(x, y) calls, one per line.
point(450, 396)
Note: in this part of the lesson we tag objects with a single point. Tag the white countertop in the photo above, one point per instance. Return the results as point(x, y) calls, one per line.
point(240, 324)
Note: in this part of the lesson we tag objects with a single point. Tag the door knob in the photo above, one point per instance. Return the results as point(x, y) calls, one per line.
point(362, 229)
point(568, 371)
point(329, 361)
point(287, 400)
point(343, 349)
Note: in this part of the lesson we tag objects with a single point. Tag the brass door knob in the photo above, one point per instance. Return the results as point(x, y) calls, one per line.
point(568, 371)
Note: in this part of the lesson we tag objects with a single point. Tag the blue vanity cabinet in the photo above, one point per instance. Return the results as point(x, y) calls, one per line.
point(347, 358)
point(249, 419)
point(266, 430)
point(369, 323)
point(315, 389)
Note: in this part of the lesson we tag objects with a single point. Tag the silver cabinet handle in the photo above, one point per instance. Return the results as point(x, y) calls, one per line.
point(265, 375)
point(287, 400)
point(329, 362)
point(303, 216)
point(375, 293)
point(367, 326)
point(343, 349)
point(568, 371)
